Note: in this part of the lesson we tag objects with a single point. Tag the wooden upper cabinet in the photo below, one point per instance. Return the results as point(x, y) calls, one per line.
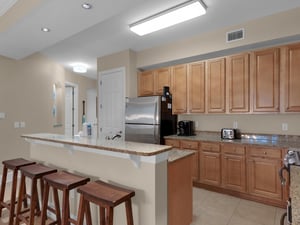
point(216, 85)
point(146, 83)
point(292, 78)
point(238, 79)
point(162, 79)
point(265, 80)
point(196, 86)
point(179, 89)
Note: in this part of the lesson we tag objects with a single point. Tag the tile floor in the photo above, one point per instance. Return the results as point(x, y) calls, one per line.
point(210, 208)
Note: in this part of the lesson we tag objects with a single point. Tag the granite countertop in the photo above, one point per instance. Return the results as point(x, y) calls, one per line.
point(280, 141)
point(176, 154)
point(133, 148)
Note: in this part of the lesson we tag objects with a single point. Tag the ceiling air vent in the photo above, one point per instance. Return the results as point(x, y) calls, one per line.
point(235, 35)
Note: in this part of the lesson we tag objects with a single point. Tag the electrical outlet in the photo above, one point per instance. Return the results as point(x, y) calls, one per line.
point(22, 124)
point(2, 115)
point(284, 126)
point(16, 124)
point(196, 124)
point(235, 124)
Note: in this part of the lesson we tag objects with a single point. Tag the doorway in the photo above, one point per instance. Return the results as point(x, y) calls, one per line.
point(111, 103)
point(71, 109)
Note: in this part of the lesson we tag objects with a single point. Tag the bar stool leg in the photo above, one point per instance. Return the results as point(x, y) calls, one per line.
point(81, 210)
point(13, 198)
point(65, 208)
point(44, 206)
point(56, 205)
point(21, 193)
point(129, 212)
point(34, 208)
point(110, 215)
point(102, 215)
point(88, 217)
point(3, 185)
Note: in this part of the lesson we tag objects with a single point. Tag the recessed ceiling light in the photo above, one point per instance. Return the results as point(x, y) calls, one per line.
point(86, 6)
point(45, 29)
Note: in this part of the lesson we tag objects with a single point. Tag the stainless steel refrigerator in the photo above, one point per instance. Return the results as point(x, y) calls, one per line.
point(149, 119)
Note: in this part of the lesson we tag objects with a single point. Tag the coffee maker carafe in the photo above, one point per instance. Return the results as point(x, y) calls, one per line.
point(186, 128)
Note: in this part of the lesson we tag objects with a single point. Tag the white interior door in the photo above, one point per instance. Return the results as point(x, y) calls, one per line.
point(71, 109)
point(91, 106)
point(112, 103)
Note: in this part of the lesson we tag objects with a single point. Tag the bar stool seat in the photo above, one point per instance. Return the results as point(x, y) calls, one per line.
point(65, 182)
point(106, 196)
point(14, 165)
point(35, 172)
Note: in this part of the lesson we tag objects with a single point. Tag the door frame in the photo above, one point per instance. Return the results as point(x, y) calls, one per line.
point(75, 116)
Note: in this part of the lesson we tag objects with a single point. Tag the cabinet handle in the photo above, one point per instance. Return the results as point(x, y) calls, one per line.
point(265, 153)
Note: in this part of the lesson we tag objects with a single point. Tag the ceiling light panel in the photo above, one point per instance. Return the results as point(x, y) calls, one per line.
point(5, 5)
point(169, 17)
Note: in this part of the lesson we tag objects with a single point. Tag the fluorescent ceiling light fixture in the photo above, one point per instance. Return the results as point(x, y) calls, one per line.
point(79, 68)
point(177, 14)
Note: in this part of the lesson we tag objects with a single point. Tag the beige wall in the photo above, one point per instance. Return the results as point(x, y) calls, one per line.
point(260, 30)
point(26, 95)
point(125, 59)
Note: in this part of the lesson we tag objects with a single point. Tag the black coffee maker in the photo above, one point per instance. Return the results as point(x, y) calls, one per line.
point(186, 128)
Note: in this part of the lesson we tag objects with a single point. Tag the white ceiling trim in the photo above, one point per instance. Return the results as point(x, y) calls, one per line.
point(5, 5)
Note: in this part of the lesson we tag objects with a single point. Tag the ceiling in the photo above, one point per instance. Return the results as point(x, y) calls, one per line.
point(79, 35)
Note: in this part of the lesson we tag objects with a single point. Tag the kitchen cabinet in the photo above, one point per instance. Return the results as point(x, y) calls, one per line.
point(265, 74)
point(210, 163)
point(238, 78)
point(215, 81)
point(263, 165)
point(180, 192)
point(196, 87)
point(291, 54)
point(152, 82)
point(190, 145)
point(162, 79)
point(146, 83)
point(233, 167)
point(179, 89)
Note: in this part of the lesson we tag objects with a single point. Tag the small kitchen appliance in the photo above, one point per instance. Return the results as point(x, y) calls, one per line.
point(229, 133)
point(186, 128)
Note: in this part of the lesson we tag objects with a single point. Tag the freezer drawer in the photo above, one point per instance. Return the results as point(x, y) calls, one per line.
point(142, 133)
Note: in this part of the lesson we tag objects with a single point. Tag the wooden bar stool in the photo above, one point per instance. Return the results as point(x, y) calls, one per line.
point(106, 196)
point(14, 165)
point(65, 182)
point(35, 172)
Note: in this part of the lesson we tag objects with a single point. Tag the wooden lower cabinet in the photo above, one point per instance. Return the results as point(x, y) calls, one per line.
point(262, 173)
point(189, 145)
point(233, 167)
point(210, 163)
point(180, 192)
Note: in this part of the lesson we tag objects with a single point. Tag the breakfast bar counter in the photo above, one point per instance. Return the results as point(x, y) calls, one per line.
point(140, 167)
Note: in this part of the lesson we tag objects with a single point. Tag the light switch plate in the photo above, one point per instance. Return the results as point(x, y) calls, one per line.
point(2, 115)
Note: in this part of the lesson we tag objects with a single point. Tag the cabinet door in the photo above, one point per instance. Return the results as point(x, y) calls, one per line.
point(234, 172)
point(146, 83)
point(162, 79)
point(196, 86)
point(266, 80)
point(238, 83)
point(263, 179)
point(292, 79)
point(216, 85)
point(193, 145)
point(179, 89)
point(210, 168)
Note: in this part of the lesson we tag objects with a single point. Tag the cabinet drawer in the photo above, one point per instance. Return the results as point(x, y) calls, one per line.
point(233, 149)
point(173, 143)
point(189, 145)
point(264, 152)
point(210, 147)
